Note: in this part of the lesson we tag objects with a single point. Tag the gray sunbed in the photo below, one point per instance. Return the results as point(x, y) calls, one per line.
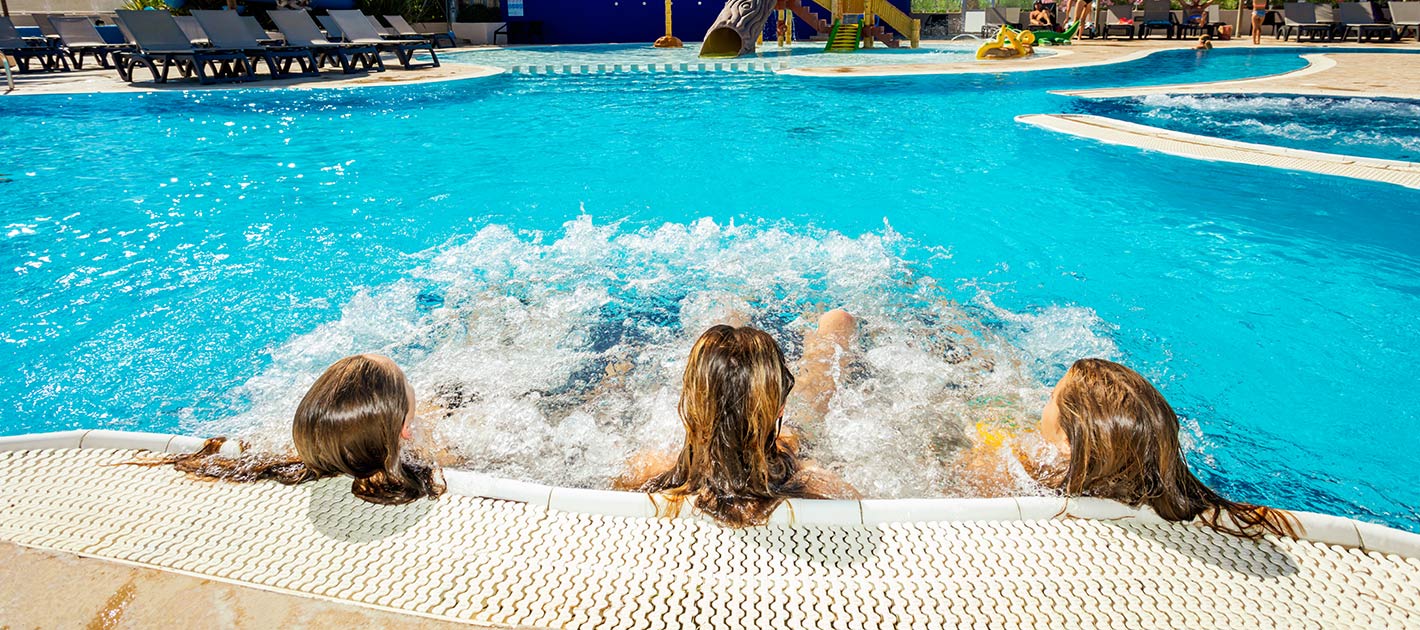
point(226, 30)
point(257, 32)
point(996, 17)
point(403, 29)
point(195, 35)
point(1405, 16)
point(1121, 19)
point(1307, 19)
point(1357, 17)
point(81, 39)
point(1157, 16)
point(161, 40)
point(300, 30)
point(27, 50)
point(356, 27)
point(332, 28)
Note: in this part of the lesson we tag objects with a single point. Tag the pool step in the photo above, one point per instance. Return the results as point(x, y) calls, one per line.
point(654, 68)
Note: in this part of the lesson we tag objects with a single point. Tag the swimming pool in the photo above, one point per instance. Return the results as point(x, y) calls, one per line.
point(1368, 127)
point(190, 261)
point(801, 55)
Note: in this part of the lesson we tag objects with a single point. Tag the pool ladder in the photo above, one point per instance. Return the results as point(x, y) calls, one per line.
point(844, 37)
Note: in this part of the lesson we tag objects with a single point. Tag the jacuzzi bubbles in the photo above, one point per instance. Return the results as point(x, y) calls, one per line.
point(555, 357)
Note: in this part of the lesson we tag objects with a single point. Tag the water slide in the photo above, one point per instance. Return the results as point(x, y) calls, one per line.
point(737, 29)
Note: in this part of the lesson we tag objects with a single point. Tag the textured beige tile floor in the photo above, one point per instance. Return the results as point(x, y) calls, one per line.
point(45, 589)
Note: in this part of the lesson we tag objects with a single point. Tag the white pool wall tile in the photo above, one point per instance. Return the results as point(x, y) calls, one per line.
point(101, 438)
point(37, 441)
point(817, 512)
point(1382, 539)
point(1332, 530)
point(882, 511)
point(605, 502)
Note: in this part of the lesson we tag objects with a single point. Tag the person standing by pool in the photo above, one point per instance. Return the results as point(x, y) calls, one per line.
point(1108, 433)
point(739, 461)
point(1259, 13)
point(353, 421)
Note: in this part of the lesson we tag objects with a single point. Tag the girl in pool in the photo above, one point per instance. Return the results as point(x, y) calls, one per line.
point(739, 460)
point(353, 422)
point(1108, 433)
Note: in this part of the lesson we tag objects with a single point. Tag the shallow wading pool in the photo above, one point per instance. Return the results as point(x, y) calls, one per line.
point(540, 252)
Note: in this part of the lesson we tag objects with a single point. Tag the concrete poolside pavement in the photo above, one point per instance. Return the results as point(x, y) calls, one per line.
point(45, 589)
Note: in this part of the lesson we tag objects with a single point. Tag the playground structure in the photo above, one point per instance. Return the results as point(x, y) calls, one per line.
point(669, 40)
point(1008, 44)
point(857, 23)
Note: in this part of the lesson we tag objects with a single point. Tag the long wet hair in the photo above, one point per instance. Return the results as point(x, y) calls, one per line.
point(1124, 446)
point(733, 464)
point(348, 423)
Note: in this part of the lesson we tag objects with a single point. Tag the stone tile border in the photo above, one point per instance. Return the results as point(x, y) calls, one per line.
point(1320, 528)
point(1111, 131)
point(650, 68)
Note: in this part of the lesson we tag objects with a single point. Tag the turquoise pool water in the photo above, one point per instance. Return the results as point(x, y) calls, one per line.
point(190, 261)
point(1380, 128)
point(802, 55)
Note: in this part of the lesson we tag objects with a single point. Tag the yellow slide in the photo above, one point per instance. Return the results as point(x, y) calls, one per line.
point(1009, 44)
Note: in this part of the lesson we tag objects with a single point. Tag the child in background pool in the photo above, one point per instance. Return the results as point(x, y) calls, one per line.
point(352, 421)
point(739, 460)
point(1117, 438)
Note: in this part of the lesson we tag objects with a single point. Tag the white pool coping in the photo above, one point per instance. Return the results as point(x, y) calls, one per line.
point(1119, 132)
point(1321, 528)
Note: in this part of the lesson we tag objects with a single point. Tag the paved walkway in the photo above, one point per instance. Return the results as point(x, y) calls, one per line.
point(497, 562)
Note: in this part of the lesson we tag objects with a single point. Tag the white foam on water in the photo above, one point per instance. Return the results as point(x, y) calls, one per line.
point(1342, 121)
point(554, 357)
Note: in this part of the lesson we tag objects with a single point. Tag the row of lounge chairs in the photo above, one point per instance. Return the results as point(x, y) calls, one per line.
point(1322, 22)
point(1304, 19)
point(220, 46)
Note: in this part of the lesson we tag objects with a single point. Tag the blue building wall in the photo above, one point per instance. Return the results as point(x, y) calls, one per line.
point(630, 21)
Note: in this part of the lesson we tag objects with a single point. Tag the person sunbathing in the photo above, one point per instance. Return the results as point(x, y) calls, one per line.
point(740, 460)
point(1041, 17)
point(1108, 433)
point(352, 422)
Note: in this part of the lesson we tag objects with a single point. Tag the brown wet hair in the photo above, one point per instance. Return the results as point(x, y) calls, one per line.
point(1124, 446)
point(734, 464)
point(348, 423)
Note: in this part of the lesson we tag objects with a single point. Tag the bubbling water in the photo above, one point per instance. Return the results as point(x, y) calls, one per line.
point(555, 358)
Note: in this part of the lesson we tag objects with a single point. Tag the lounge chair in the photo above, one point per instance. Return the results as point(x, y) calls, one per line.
point(1120, 19)
point(1354, 16)
point(1207, 24)
point(974, 23)
point(332, 28)
point(226, 30)
point(1307, 19)
point(258, 33)
point(996, 17)
point(357, 30)
point(26, 50)
point(299, 29)
point(160, 39)
point(383, 30)
point(1405, 16)
point(46, 27)
point(403, 29)
point(1157, 16)
point(195, 35)
point(81, 39)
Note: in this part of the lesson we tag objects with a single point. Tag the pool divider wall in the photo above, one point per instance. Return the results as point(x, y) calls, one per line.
point(1322, 528)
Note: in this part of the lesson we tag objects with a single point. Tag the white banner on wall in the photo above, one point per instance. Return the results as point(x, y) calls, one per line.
point(515, 8)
